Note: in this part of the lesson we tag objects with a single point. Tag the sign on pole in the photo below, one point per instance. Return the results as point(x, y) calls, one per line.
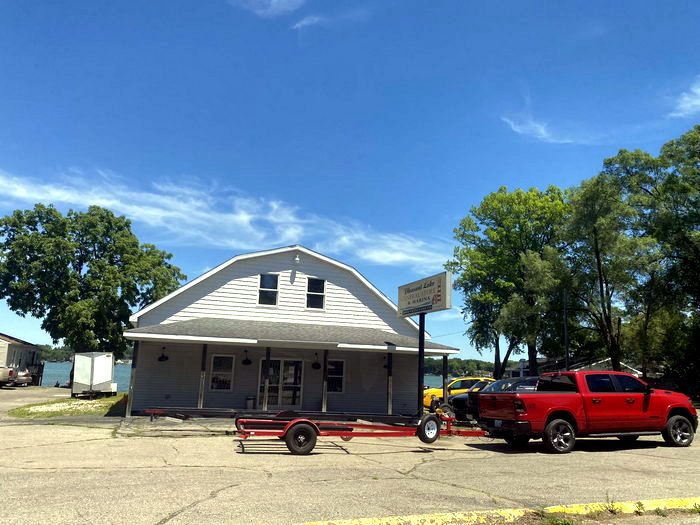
point(431, 294)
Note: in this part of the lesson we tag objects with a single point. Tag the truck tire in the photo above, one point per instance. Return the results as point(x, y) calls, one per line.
point(678, 432)
point(301, 439)
point(428, 428)
point(517, 441)
point(559, 436)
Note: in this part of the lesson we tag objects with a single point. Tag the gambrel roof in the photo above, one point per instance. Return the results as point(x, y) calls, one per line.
point(296, 247)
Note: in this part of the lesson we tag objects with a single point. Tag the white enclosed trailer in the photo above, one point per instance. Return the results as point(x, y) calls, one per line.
point(93, 373)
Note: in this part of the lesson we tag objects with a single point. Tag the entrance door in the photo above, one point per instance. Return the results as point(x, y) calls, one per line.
point(284, 391)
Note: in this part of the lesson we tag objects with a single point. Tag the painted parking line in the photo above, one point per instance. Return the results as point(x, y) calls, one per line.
point(510, 515)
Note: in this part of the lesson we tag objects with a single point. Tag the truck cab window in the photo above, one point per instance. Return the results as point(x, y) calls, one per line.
point(600, 383)
point(630, 384)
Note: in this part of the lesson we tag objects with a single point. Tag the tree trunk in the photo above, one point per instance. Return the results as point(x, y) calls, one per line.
point(504, 363)
point(497, 358)
point(532, 358)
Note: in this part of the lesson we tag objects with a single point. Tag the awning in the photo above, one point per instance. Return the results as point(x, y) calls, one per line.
point(283, 335)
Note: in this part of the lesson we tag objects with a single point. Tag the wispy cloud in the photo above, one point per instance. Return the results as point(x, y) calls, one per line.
point(193, 214)
point(688, 103)
point(269, 8)
point(308, 21)
point(527, 125)
point(361, 14)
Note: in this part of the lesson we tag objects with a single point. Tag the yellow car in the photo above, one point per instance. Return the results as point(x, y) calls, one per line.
point(432, 397)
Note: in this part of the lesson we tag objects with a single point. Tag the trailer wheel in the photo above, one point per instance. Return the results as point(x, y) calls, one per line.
point(428, 428)
point(301, 439)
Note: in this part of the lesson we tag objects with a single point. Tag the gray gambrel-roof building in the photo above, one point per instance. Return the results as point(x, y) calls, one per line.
point(333, 341)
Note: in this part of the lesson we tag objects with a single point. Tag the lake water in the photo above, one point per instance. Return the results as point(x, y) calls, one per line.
point(60, 372)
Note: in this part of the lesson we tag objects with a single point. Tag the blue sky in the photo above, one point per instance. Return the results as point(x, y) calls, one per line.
point(364, 130)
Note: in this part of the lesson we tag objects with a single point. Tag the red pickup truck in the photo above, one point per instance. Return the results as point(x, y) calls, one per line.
point(567, 405)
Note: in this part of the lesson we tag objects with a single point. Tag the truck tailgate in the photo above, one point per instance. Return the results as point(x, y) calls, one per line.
point(497, 406)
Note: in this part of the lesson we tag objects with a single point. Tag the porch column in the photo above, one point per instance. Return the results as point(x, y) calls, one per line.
point(389, 382)
point(324, 393)
point(267, 377)
point(444, 379)
point(132, 380)
point(202, 377)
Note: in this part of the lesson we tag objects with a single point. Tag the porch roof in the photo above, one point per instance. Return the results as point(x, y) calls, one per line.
point(288, 335)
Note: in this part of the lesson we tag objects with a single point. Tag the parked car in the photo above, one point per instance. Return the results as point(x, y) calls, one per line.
point(432, 397)
point(7, 375)
point(567, 405)
point(449, 408)
point(22, 377)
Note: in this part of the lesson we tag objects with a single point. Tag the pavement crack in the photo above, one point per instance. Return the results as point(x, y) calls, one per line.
point(212, 495)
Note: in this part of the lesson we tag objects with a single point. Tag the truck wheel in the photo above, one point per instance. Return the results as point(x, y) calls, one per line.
point(301, 439)
point(678, 432)
point(447, 410)
point(428, 428)
point(559, 436)
point(517, 441)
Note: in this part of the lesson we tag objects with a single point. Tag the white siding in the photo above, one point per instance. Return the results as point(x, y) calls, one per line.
point(232, 293)
point(175, 382)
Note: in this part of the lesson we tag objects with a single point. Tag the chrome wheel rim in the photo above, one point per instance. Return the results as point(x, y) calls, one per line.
point(561, 436)
point(680, 432)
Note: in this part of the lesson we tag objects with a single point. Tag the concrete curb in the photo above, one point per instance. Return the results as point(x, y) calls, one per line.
point(510, 515)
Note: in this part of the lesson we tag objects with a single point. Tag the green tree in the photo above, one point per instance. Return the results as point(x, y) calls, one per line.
point(81, 273)
point(490, 265)
point(605, 256)
point(665, 190)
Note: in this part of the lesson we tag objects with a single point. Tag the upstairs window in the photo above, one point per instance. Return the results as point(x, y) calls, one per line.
point(267, 294)
point(315, 292)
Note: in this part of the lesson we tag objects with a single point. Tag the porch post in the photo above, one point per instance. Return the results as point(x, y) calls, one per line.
point(389, 382)
point(267, 377)
point(202, 377)
point(324, 394)
point(444, 379)
point(132, 379)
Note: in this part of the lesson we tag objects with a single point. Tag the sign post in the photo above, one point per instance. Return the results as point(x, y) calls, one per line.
point(431, 294)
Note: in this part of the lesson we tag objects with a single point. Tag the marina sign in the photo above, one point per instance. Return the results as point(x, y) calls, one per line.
point(431, 294)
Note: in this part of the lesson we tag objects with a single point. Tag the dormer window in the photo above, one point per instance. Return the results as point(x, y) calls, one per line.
point(267, 294)
point(315, 292)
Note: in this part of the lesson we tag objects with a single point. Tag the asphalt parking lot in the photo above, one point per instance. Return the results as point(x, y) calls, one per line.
point(108, 470)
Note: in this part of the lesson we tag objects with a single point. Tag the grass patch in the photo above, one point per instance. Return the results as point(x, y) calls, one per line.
point(112, 406)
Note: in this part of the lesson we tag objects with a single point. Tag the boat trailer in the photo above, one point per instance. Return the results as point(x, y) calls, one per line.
point(300, 430)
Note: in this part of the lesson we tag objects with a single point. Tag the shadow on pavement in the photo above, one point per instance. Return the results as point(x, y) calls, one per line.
point(582, 445)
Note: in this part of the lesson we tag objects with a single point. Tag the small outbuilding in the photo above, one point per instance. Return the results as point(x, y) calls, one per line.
point(286, 328)
point(19, 354)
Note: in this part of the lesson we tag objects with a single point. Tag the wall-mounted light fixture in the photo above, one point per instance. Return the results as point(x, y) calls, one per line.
point(246, 361)
point(297, 259)
point(163, 357)
point(316, 365)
